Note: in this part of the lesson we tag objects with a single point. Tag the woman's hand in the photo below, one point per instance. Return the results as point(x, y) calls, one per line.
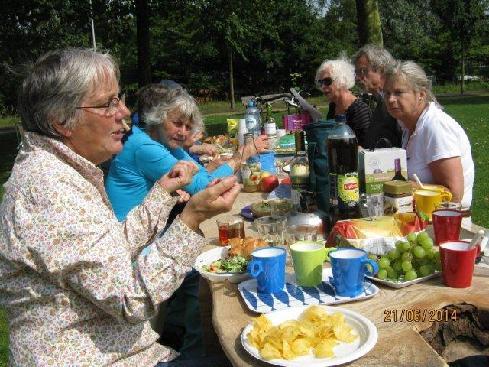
point(180, 175)
point(184, 196)
point(217, 198)
point(205, 148)
point(261, 143)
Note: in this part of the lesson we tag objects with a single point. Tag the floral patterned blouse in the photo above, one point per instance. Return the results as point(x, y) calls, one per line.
point(76, 289)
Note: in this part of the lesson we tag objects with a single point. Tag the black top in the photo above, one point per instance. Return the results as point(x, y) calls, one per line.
point(358, 117)
point(384, 131)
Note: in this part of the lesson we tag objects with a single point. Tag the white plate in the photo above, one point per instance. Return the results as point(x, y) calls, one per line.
point(344, 352)
point(206, 258)
point(294, 295)
point(393, 284)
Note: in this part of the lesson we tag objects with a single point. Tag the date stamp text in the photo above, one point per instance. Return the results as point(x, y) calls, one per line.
point(419, 315)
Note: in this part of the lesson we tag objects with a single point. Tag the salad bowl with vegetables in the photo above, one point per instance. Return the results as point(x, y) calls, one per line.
point(229, 262)
point(217, 265)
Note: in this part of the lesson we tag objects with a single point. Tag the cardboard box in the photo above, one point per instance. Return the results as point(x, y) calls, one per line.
point(377, 166)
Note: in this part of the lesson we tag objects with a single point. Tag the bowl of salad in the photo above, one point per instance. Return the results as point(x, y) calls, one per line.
point(217, 265)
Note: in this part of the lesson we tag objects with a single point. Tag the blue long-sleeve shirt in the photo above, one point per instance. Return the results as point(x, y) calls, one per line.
point(141, 163)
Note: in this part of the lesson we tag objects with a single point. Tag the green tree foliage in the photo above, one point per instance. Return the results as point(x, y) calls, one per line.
point(259, 43)
point(463, 20)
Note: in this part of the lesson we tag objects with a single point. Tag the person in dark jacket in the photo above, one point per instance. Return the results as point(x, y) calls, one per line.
point(371, 63)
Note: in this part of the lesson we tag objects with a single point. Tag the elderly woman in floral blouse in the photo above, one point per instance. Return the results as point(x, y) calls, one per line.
point(73, 281)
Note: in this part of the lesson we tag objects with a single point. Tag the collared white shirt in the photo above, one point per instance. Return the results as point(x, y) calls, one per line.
point(438, 136)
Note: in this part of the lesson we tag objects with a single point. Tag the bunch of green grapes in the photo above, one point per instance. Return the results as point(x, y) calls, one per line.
point(412, 258)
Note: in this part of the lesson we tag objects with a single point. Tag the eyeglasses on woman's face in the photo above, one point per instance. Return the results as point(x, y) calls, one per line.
point(324, 82)
point(112, 105)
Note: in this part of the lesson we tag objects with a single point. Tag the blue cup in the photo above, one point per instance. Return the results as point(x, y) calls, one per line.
point(267, 161)
point(267, 265)
point(350, 265)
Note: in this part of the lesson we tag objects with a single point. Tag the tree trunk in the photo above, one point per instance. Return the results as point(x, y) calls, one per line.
point(231, 77)
point(361, 23)
point(144, 63)
point(462, 82)
point(369, 24)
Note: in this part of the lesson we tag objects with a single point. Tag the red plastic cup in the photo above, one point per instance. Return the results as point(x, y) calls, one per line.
point(457, 263)
point(446, 225)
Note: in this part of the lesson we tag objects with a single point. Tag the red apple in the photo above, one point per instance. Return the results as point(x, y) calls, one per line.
point(286, 181)
point(269, 183)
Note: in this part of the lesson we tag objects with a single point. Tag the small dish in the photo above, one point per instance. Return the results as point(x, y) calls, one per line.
point(246, 213)
point(206, 258)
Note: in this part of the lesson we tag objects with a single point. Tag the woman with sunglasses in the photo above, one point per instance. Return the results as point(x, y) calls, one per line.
point(335, 78)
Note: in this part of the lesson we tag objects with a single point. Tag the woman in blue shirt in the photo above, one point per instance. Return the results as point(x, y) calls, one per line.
point(167, 114)
point(166, 117)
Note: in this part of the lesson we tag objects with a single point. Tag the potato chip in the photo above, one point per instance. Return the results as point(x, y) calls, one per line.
point(270, 352)
point(315, 331)
point(324, 349)
point(301, 346)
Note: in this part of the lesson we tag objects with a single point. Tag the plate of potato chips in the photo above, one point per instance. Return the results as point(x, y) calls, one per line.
point(312, 336)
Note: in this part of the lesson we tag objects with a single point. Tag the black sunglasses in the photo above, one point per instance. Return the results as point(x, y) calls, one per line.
point(326, 81)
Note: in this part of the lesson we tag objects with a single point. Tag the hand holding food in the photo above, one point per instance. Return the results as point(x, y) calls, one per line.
point(180, 175)
point(261, 143)
point(205, 148)
point(216, 199)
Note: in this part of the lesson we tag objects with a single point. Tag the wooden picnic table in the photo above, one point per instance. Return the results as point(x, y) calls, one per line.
point(399, 343)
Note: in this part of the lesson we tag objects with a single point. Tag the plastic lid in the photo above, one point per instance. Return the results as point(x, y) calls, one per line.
point(341, 130)
point(340, 118)
point(251, 103)
point(398, 187)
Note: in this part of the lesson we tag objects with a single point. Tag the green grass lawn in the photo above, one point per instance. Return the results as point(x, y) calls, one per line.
point(472, 112)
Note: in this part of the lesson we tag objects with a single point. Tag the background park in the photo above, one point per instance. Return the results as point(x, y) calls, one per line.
point(222, 50)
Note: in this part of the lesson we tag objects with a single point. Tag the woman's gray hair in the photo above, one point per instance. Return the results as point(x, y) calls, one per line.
point(156, 100)
point(57, 83)
point(378, 57)
point(342, 72)
point(413, 75)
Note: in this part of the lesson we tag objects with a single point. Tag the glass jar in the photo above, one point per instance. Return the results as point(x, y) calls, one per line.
point(251, 175)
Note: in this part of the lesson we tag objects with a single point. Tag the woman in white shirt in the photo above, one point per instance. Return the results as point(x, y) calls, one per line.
point(437, 148)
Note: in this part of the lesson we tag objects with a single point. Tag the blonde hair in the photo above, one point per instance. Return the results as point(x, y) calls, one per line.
point(413, 75)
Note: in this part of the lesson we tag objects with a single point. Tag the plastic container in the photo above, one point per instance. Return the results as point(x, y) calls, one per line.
point(398, 197)
point(242, 130)
point(252, 118)
point(343, 170)
point(267, 161)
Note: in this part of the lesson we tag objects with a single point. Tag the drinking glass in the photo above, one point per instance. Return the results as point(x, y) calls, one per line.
point(271, 229)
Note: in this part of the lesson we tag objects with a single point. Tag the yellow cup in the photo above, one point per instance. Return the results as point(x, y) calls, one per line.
point(428, 200)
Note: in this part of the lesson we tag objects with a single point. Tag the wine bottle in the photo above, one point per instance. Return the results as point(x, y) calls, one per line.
point(397, 167)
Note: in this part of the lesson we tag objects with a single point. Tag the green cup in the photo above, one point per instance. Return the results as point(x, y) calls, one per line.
point(308, 258)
